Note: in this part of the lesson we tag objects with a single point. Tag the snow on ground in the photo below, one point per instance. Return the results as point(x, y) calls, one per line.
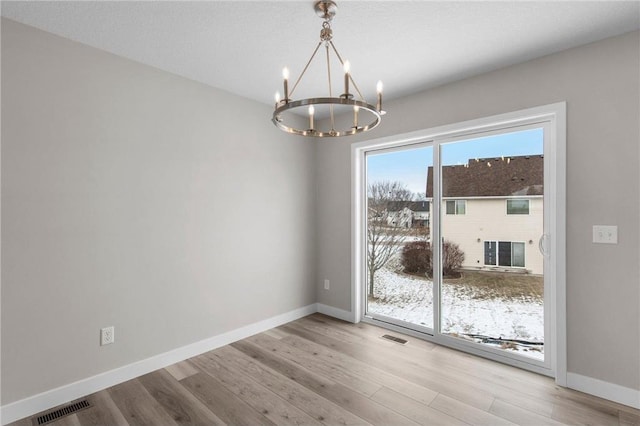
point(410, 299)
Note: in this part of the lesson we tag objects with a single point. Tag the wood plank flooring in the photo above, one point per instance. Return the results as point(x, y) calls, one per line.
point(322, 371)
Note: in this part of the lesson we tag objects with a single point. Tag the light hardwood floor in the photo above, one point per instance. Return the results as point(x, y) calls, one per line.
point(322, 371)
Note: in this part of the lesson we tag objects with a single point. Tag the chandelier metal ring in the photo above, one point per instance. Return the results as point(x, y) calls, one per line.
point(285, 106)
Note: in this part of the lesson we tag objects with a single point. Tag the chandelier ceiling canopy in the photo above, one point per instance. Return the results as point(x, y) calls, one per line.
point(362, 116)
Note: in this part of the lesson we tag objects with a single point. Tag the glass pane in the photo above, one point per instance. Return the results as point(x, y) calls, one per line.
point(492, 273)
point(451, 207)
point(517, 254)
point(399, 255)
point(504, 253)
point(489, 253)
point(517, 206)
point(461, 207)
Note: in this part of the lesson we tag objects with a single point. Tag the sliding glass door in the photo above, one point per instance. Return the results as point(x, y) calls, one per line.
point(455, 233)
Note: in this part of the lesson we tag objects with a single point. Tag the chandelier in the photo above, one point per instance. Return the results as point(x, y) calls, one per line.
point(289, 114)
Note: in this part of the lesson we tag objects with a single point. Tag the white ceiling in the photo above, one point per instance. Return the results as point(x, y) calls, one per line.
point(241, 46)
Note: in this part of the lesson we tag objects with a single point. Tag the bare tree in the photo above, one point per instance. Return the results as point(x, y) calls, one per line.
point(386, 201)
point(420, 196)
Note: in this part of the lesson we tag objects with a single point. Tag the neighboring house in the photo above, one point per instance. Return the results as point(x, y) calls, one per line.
point(421, 211)
point(408, 214)
point(493, 209)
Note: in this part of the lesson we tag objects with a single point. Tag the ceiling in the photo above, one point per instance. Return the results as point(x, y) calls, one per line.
point(241, 46)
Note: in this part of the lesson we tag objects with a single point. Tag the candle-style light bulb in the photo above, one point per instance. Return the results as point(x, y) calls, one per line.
point(356, 108)
point(311, 112)
point(379, 88)
point(277, 98)
point(347, 68)
point(285, 76)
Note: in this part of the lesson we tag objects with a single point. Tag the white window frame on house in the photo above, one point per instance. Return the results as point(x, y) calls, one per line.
point(519, 199)
point(456, 207)
point(552, 118)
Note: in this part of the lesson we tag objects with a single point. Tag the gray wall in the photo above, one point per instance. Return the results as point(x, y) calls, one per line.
point(600, 83)
point(135, 198)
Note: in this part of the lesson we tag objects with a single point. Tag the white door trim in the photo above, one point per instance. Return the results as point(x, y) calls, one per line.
point(554, 117)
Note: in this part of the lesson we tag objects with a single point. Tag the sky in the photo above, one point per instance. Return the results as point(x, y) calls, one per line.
point(410, 165)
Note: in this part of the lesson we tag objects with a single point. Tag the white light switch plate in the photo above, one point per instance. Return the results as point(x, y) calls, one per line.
point(604, 234)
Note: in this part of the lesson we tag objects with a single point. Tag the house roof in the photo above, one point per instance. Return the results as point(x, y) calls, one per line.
point(419, 206)
point(497, 177)
point(416, 206)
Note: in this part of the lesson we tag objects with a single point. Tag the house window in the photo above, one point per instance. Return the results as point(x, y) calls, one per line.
point(517, 206)
point(456, 206)
point(507, 253)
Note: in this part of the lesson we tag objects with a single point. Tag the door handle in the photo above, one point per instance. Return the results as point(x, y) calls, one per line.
point(542, 245)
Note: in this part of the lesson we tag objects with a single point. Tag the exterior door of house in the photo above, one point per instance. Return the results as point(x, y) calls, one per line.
point(474, 272)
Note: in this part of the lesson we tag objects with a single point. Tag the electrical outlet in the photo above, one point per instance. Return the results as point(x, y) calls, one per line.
point(327, 285)
point(107, 336)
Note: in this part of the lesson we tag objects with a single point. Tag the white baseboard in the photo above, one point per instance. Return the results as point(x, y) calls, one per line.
point(606, 390)
point(52, 398)
point(335, 312)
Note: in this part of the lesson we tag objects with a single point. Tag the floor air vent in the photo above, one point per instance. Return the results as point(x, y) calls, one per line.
point(394, 339)
point(64, 411)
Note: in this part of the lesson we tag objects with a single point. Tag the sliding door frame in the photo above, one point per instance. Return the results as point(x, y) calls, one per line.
point(553, 119)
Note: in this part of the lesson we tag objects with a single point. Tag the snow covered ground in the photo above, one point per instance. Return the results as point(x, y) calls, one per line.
point(410, 299)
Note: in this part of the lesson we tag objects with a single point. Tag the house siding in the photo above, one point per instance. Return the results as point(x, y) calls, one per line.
point(487, 220)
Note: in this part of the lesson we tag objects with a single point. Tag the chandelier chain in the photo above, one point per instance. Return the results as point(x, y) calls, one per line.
point(326, 34)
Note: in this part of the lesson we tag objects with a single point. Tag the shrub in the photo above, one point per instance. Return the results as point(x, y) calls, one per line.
point(416, 258)
point(452, 258)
